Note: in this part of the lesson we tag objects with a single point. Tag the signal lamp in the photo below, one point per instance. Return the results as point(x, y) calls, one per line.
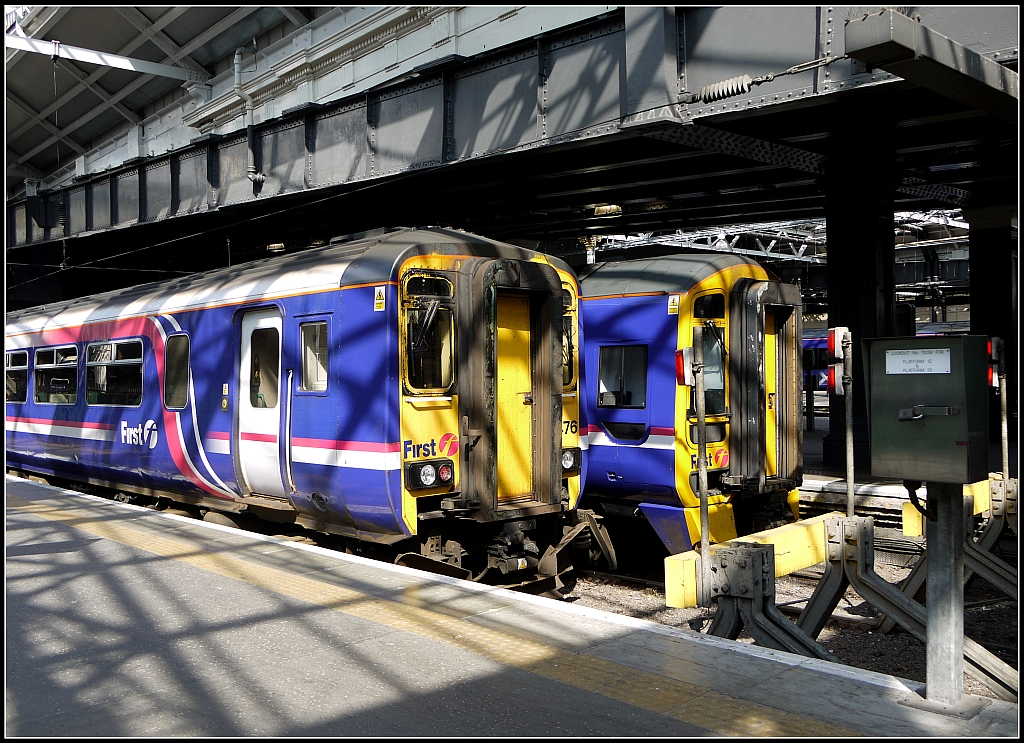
point(995, 361)
point(571, 459)
point(835, 342)
point(835, 379)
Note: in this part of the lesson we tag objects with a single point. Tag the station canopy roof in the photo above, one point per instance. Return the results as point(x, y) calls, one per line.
point(83, 101)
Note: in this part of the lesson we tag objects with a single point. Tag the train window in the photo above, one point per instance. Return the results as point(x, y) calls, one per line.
point(176, 371)
point(622, 377)
point(714, 373)
point(430, 332)
point(710, 307)
point(430, 354)
point(57, 375)
point(428, 286)
point(568, 339)
point(314, 356)
point(263, 374)
point(113, 373)
point(16, 384)
point(714, 432)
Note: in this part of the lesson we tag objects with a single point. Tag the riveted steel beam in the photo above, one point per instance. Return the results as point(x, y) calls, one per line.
point(902, 46)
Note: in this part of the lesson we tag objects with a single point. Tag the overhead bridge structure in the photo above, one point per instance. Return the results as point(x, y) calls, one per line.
point(528, 124)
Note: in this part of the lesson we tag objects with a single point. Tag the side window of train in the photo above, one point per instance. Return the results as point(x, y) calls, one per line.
point(176, 371)
point(113, 373)
point(263, 372)
point(57, 375)
point(429, 333)
point(16, 384)
point(622, 377)
point(314, 356)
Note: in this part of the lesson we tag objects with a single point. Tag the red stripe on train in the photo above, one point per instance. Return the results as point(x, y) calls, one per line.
point(69, 424)
point(347, 445)
point(268, 437)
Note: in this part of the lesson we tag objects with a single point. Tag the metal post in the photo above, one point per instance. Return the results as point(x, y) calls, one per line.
point(1001, 350)
point(848, 400)
point(944, 674)
point(810, 384)
point(704, 597)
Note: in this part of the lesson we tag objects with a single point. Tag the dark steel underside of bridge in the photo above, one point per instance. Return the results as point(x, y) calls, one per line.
point(933, 151)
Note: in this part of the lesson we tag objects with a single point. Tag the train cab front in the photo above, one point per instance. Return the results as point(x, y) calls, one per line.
point(490, 459)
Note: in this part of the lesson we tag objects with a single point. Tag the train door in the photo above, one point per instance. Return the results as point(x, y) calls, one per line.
point(259, 403)
point(515, 397)
point(765, 441)
point(771, 396)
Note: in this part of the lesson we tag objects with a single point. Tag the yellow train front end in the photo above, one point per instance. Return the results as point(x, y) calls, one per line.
point(489, 415)
point(751, 327)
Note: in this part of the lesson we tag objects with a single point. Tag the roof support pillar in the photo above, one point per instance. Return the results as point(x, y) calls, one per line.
point(860, 188)
point(994, 304)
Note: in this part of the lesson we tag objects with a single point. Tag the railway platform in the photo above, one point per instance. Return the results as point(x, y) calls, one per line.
point(125, 621)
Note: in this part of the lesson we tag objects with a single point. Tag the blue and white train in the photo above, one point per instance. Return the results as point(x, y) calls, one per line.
point(369, 388)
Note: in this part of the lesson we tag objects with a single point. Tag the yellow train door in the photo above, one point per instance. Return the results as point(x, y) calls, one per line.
point(771, 388)
point(514, 400)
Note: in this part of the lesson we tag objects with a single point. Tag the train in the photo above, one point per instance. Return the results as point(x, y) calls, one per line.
point(471, 407)
point(640, 425)
point(414, 388)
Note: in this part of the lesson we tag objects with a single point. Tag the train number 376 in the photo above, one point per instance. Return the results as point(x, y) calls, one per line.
point(570, 426)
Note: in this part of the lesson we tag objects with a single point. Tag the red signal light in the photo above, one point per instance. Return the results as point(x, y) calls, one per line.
point(994, 360)
point(835, 342)
point(835, 379)
point(444, 472)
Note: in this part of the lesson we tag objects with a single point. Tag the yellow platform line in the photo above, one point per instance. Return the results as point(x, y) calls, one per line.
point(721, 713)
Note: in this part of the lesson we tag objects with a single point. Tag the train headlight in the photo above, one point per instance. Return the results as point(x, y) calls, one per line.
point(433, 474)
point(571, 459)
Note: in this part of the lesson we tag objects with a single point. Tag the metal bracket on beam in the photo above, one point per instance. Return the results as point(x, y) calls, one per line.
point(902, 46)
point(743, 583)
point(105, 59)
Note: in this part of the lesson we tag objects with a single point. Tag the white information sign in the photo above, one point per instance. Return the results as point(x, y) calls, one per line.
point(918, 361)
